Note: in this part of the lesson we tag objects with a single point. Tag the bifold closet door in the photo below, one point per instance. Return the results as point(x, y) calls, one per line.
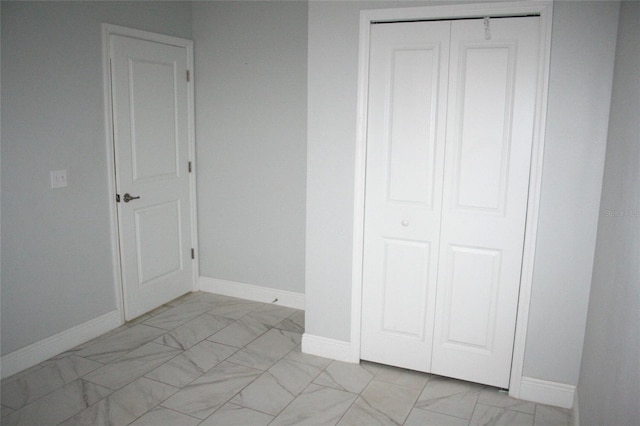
point(491, 110)
point(448, 158)
point(405, 160)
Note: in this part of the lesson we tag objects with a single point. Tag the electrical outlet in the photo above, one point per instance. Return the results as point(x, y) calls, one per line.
point(58, 178)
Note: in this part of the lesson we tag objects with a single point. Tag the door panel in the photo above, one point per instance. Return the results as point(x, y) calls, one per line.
point(484, 106)
point(150, 113)
point(413, 74)
point(166, 256)
point(470, 308)
point(405, 152)
point(489, 138)
point(154, 142)
point(406, 269)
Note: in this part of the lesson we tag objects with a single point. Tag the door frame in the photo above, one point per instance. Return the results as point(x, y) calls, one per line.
point(107, 31)
point(368, 17)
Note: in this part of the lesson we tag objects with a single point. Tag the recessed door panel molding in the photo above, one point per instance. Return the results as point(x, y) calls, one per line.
point(471, 282)
point(404, 287)
point(166, 255)
point(152, 139)
point(482, 125)
point(154, 131)
point(447, 183)
point(412, 92)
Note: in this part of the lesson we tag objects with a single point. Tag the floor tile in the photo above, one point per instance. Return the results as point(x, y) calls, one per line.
point(161, 416)
point(211, 298)
point(419, 417)
point(194, 331)
point(5, 411)
point(372, 367)
point(271, 314)
point(294, 376)
point(132, 365)
point(142, 318)
point(75, 350)
point(265, 394)
point(24, 372)
point(185, 298)
point(179, 315)
point(240, 333)
point(233, 415)
point(493, 397)
point(235, 308)
point(125, 405)
point(401, 377)
point(27, 388)
point(551, 416)
point(317, 405)
point(263, 352)
point(191, 364)
point(449, 396)
point(217, 360)
point(58, 405)
point(297, 355)
point(294, 323)
point(485, 415)
point(116, 345)
point(212, 390)
point(381, 403)
point(344, 376)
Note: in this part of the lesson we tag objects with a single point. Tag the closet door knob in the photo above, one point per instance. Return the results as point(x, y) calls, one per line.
point(405, 223)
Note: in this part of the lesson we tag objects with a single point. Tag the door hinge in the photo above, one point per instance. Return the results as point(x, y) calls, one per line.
point(188, 75)
point(193, 253)
point(189, 166)
point(117, 198)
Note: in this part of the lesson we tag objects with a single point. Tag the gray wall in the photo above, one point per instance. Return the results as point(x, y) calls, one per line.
point(56, 244)
point(582, 56)
point(331, 136)
point(583, 45)
point(251, 112)
point(609, 388)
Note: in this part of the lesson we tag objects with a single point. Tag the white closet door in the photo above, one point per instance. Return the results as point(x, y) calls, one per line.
point(405, 157)
point(492, 92)
point(450, 126)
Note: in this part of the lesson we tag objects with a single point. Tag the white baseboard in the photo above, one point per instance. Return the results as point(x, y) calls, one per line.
point(575, 414)
point(44, 349)
point(545, 392)
point(328, 348)
point(256, 293)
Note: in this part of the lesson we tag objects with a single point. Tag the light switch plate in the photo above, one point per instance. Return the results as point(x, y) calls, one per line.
point(58, 178)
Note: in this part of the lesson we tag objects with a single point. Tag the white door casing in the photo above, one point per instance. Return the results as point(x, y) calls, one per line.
point(152, 144)
point(450, 243)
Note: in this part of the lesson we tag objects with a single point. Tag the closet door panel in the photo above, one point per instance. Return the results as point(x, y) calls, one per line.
point(482, 144)
point(405, 157)
point(492, 91)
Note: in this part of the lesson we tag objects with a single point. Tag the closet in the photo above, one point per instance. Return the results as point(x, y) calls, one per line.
point(450, 118)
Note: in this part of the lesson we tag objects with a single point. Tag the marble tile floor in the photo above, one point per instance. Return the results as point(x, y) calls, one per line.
point(206, 359)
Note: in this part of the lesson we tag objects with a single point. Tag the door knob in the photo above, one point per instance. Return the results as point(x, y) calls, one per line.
point(127, 197)
point(403, 223)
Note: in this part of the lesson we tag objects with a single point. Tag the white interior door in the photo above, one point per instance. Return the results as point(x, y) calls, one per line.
point(151, 137)
point(444, 280)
